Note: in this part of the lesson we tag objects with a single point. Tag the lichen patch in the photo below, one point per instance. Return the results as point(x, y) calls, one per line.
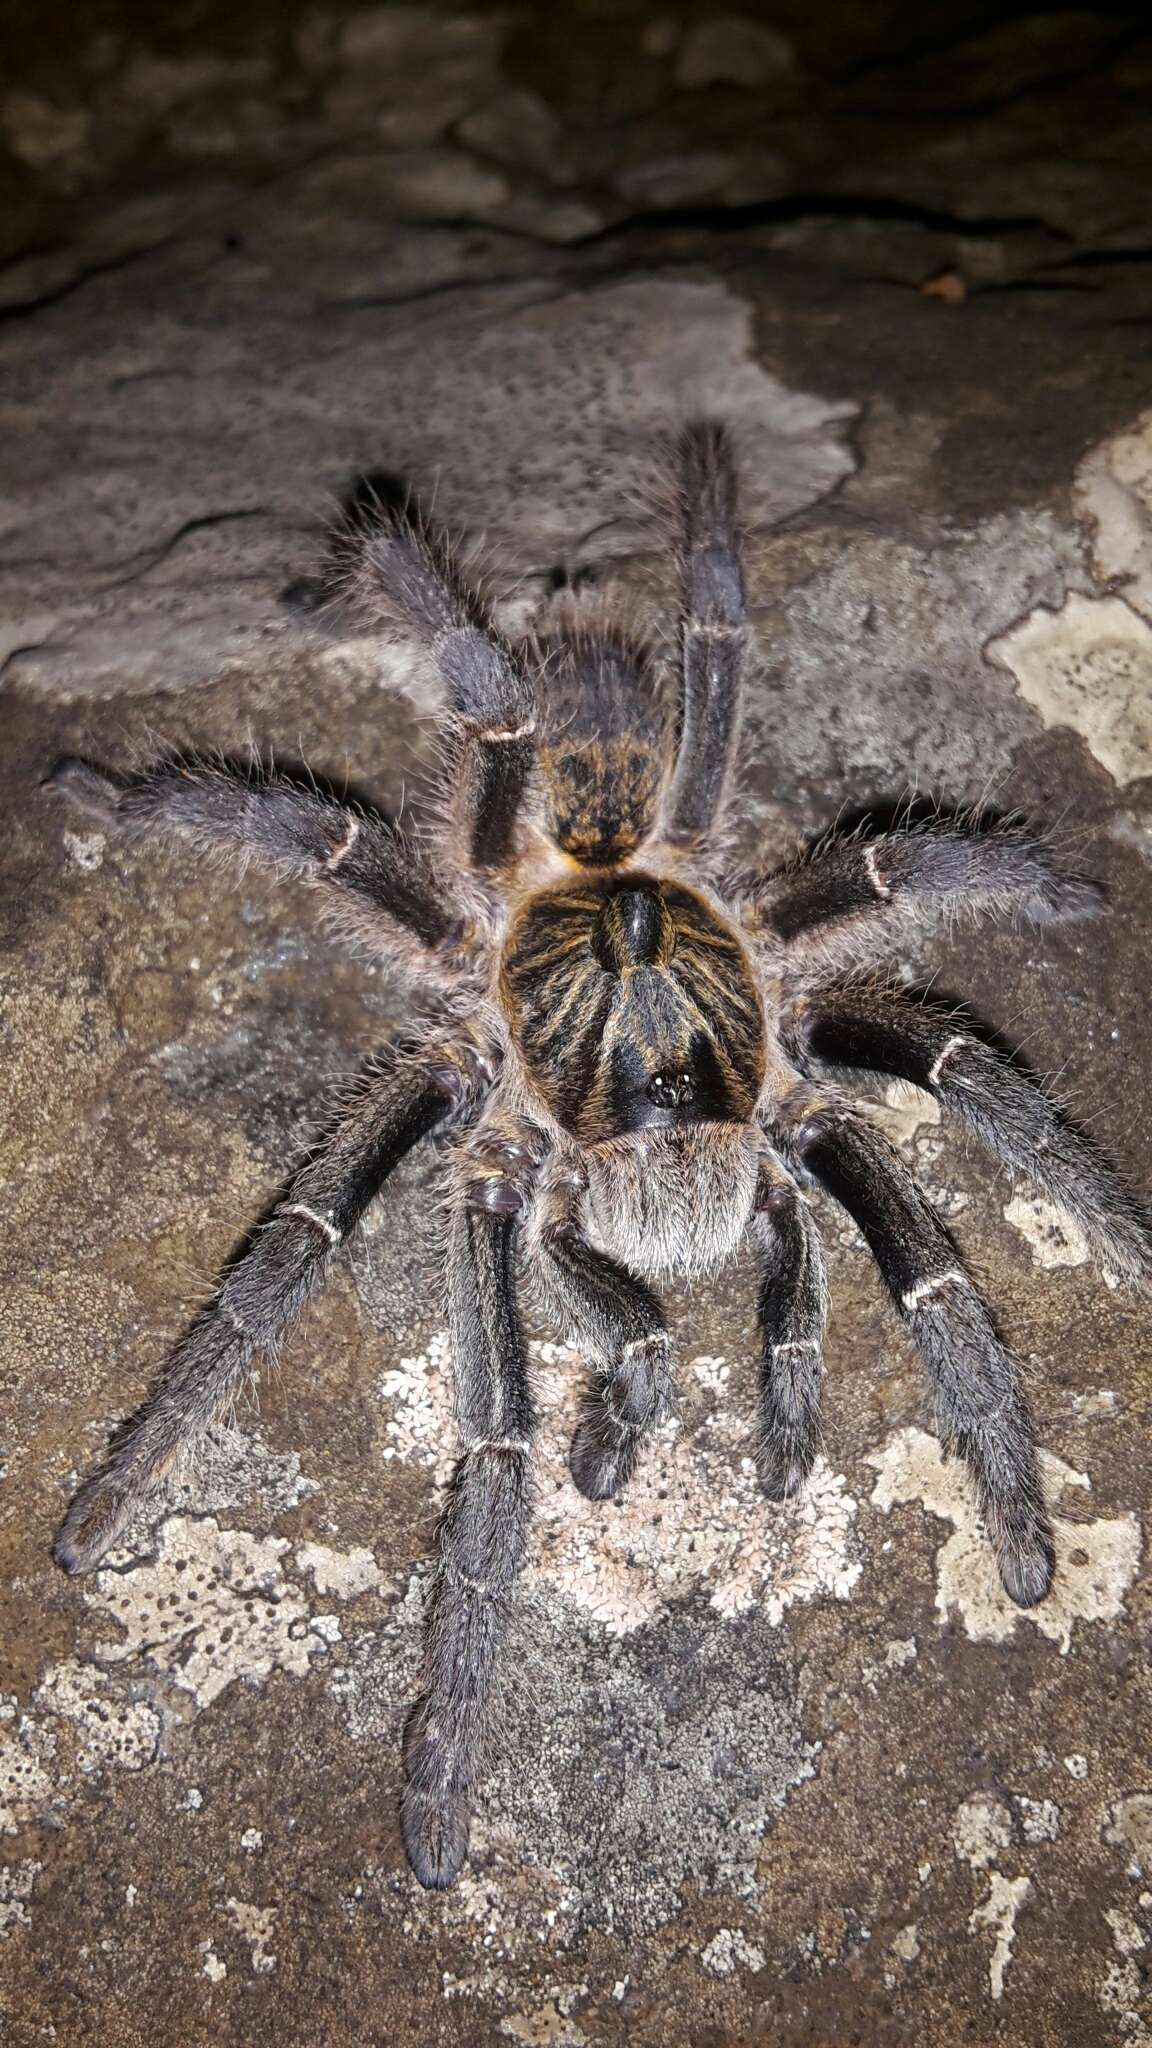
point(1096, 1559)
point(903, 1111)
point(1128, 1826)
point(1088, 666)
point(999, 1912)
point(343, 1573)
point(210, 1607)
point(113, 1729)
point(25, 1785)
point(730, 1950)
point(982, 1827)
point(1114, 492)
point(17, 1882)
point(692, 1518)
point(255, 1924)
point(1052, 1236)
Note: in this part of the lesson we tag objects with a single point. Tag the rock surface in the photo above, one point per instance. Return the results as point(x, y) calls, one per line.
point(766, 1775)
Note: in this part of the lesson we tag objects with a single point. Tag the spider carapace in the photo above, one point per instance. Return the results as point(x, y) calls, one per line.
point(639, 1060)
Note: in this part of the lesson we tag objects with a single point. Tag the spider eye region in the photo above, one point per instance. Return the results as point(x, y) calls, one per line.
point(672, 1090)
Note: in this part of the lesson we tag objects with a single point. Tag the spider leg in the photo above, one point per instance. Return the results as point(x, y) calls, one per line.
point(485, 1527)
point(877, 1029)
point(853, 896)
point(713, 634)
point(622, 1324)
point(263, 1291)
point(979, 1399)
point(399, 570)
point(793, 1309)
point(379, 884)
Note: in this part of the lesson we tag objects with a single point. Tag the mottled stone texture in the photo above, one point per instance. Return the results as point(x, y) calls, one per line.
point(765, 1775)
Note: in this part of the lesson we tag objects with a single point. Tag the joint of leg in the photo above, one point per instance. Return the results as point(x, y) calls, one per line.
point(237, 1322)
point(314, 1217)
point(518, 1446)
point(872, 870)
point(462, 1073)
point(459, 1578)
point(817, 1126)
point(495, 1194)
point(512, 733)
point(340, 853)
point(642, 1347)
point(924, 1288)
point(704, 629)
point(796, 1344)
point(942, 1057)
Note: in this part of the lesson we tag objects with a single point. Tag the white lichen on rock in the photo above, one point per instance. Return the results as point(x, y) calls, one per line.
point(981, 1828)
point(1054, 1238)
point(113, 1729)
point(1114, 491)
point(1096, 1559)
point(344, 1573)
point(730, 1950)
point(903, 1111)
point(1128, 1826)
point(1127, 1933)
point(212, 1606)
point(1088, 666)
point(25, 1785)
point(693, 1517)
point(1006, 1896)
point(255, 1924)
point(1039, 1818)
point(17, 1881)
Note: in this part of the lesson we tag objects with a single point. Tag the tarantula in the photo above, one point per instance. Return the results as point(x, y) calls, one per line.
point(635, 1058)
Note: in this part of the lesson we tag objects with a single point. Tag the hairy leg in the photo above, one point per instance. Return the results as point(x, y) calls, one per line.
point(622, 1324)
point(485, 1527)
point(713, 633)
point(261, 1293)
point(378, 882)
point(793, 1309)
point(877, 1029)
point(399, 569)
point(853, 897)
point(979, 1399)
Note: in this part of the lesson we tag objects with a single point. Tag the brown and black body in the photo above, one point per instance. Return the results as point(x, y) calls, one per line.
point(639, 1066)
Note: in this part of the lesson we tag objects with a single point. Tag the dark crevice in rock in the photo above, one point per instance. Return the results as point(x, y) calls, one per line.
point(801, 206)
point(157, 555)
point(23, 309)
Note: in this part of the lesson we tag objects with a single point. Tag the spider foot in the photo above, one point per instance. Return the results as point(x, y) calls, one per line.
point(436, 1827)
point(783, 1466)
point(619, 1412)
point(92, 1524)
point(603, 1454)
point(1027, 1564)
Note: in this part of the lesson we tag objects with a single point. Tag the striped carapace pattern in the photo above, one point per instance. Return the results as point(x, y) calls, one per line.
point(633, 1005)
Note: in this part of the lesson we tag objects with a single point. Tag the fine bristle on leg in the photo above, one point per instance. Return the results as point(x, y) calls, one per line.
point(400, 570)
point(379, 883)
point(878, 1029)
point(854, 897)
point(979, 1398)
point(713, 631)
point(484, 1532)
point(619, 1322)
point(793, 1309)
point(256, 1299)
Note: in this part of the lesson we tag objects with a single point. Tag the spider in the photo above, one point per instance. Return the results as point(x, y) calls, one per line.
point(639, 1059)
